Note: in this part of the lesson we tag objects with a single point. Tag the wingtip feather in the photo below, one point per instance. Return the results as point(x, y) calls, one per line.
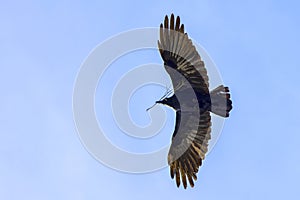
point(172, 22)
point(166, 22)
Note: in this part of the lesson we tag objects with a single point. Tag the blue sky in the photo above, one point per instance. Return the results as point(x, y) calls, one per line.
point(253, 43)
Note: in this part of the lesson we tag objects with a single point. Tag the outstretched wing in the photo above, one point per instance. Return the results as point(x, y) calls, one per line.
point(180, 56)
point(189, 146)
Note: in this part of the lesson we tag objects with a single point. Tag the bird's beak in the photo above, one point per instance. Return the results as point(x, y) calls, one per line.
point(151, 107)
point(156, 102)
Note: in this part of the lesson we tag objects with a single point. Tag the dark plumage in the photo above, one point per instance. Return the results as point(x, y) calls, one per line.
point(192, 101)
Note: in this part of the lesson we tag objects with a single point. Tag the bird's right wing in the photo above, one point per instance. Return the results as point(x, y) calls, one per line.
point(181, 57)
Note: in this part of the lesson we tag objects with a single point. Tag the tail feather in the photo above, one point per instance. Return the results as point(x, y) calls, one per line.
point(220, 101)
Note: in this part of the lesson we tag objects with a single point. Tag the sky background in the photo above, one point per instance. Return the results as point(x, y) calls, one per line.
point(253, 43)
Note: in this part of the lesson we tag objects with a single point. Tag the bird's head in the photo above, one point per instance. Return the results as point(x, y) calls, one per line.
point(163, 101)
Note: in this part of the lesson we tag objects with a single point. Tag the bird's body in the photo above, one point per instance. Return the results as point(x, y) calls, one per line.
point(191, 100)
point(203, 100)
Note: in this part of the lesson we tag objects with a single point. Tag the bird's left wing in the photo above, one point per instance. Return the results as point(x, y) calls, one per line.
point(189, 146)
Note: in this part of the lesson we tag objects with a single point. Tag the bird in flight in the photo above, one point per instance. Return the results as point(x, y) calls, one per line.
point(191, 100)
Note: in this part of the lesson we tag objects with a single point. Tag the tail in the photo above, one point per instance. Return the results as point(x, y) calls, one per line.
point(220, 101)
